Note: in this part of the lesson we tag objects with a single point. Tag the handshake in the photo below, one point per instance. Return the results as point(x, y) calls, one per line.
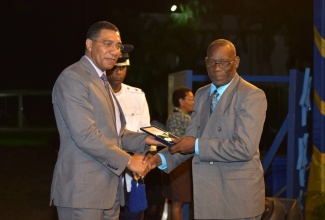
point(141, 165)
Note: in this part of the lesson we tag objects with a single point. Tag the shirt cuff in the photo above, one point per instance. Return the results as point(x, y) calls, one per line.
point(197, 146)
point(163, 162)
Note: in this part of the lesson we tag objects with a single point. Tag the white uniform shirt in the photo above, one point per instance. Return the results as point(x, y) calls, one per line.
point(135, 108)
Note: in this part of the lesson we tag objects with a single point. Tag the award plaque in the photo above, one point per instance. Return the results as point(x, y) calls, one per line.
point(160, 135)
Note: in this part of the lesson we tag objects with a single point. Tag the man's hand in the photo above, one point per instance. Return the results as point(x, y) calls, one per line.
point(152, 141)
point(183, 145)
point(152, 161)
point(137, 166)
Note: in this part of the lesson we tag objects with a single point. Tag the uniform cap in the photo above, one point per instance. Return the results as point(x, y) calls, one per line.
point(124, 59)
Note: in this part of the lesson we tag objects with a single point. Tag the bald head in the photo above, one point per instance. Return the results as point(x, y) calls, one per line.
point(222, 43)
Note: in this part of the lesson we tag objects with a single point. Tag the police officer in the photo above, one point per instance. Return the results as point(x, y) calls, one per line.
point(136, 112)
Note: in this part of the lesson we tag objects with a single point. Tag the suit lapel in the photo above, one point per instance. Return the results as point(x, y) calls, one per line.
point(227, 96)
point(97, 81)
point(122, 117)
point(221, 107)
point(205, 113)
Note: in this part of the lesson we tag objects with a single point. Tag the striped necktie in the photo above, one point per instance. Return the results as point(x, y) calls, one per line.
point(103, 77)
point(214, 101)
point(117, 113)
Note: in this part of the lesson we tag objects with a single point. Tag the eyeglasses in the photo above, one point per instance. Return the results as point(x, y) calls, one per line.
point(189, 99)
point(223, 64)
point(118, 68)
point(108, 43)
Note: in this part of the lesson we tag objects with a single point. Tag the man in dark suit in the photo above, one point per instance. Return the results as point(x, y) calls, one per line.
point(93, 141)
point(224, 141)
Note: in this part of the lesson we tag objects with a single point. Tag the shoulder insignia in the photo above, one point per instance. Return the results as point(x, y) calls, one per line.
point(134, 90)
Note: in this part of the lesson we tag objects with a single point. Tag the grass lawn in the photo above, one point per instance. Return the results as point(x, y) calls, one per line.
point(26, 166)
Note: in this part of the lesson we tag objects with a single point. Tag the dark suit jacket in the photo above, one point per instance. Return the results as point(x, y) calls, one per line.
point(92, 155)
point(228, 176)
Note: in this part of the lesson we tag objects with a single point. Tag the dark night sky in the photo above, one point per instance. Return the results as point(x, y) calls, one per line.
point(40, 38)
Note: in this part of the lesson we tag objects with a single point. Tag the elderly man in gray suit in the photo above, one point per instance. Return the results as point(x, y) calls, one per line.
point(86, 182)
point(223, 138)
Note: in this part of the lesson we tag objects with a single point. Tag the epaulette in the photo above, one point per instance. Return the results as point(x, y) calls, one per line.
point(134, 90)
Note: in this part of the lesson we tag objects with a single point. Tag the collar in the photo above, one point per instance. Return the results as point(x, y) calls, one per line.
point(99, 72)
point(220, 89)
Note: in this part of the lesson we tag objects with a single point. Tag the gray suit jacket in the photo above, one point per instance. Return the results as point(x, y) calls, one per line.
point(92, 155)
point(228, 177)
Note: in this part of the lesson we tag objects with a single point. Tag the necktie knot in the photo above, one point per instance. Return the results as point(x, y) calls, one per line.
point(103, 77)
point(215, 93)
point(214, 101)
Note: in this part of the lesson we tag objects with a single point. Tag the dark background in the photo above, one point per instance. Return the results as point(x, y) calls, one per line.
point(40, 38)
